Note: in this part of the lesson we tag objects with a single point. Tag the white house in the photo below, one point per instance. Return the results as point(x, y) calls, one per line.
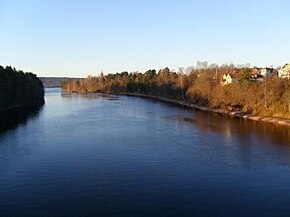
point(227, 79)
point(267, 72)
point(284, 72)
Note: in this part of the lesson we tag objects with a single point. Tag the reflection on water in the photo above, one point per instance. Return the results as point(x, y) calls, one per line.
point(90, 95)
point(10, 119)
point(278, 134)
point(89, 155)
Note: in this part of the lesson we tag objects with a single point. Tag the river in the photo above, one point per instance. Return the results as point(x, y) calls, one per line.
point(92, 155)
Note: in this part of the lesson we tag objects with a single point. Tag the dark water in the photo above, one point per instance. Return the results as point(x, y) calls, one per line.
point(10, 119)
point(126, 156)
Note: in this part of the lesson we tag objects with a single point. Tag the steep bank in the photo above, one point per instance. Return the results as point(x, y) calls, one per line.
point(19, 90)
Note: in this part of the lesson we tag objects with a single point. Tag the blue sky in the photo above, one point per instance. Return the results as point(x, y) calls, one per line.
point(78, 38)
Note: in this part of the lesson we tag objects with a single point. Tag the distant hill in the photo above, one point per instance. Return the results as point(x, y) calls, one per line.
point(55, 81)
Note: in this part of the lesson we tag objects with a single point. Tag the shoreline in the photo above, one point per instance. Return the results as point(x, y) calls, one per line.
point(234, 114)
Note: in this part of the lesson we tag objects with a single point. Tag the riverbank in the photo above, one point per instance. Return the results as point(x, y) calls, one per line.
point(233, 114)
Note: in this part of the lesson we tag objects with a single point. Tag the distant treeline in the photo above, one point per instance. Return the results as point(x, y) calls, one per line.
point(55, 81)
point(201, 85)
point(19, 89)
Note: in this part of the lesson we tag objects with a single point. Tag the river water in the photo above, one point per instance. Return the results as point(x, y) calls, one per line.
point(91, 155)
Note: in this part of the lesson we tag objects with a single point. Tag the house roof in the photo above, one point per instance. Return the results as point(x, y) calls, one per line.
point(286, 67)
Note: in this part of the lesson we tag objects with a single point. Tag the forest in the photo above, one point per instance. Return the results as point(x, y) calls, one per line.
point(19, 89)
point(202, 85)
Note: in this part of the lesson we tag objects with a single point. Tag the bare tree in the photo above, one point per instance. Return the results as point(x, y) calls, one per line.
point(181, 72)
point(265, 92)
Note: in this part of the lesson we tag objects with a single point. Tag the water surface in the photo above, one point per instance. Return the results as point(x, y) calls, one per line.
point(91, 155)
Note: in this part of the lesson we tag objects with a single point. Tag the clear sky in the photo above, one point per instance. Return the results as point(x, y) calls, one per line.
point(82, 37)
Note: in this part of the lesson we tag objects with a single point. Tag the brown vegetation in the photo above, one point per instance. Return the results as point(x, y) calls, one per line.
point(201, 86)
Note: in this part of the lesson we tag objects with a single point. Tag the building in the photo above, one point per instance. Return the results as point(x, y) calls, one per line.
point(284, 72)
point(227, 79)
point(267, 72)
